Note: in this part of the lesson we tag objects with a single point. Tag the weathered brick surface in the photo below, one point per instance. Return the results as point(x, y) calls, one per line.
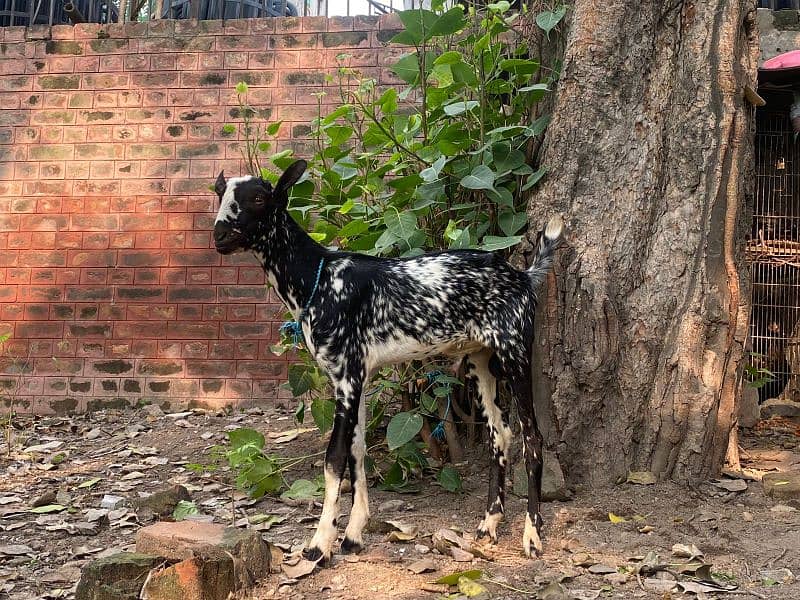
point(109, 139)
point(216, 561)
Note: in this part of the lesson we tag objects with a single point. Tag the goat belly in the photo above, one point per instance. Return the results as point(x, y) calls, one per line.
point(404, 348)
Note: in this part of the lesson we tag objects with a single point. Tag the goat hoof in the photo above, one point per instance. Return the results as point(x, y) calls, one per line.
point(314, 554)
point(351, 547)
point(482, 534)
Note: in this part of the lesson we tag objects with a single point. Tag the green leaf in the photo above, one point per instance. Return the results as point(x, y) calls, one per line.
point(49, 508)
point(407, 68)
point(456, 108)
point(183, 509)
point(303, 489)
point(519, 66)
point(481, 178)
point(241, 87)
point(388, 101)
point(402, 428)
point(448, 58)
point(353, 228)
point(534, 178)
point(449, 479)
point(228, 129)
point(401, 225)
point(300, 411)
point(418, 24)
point(344, 169)
point(338, 134)
point(432, 173)
point(535, 92)
point(511, 222)
point(273, 128)
point(89, 483)
point(409, 182)
point(443, 76)
point(246, 437)
point(449, 23)
point(500, 7)
point(548, 19)
point(323, 412)
point(299, 378)
point(464, 73)
point(506, 158)
point(492, 243)
point(453, 578)
point(428, 403)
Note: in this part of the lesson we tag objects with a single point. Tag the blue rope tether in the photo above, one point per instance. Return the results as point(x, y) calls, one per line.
point(438, 431)
point(294, 328)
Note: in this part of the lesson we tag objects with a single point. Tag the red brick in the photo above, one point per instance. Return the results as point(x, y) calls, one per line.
point(246, 349)
point(45, 329)
point(197, 331)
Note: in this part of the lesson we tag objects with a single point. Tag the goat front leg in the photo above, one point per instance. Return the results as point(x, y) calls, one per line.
point(359, 514)
point(337, 456)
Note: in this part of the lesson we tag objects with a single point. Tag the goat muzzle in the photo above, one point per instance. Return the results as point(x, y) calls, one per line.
point(227, 239)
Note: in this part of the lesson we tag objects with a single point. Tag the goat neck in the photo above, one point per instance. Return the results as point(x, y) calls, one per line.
point(290, 259)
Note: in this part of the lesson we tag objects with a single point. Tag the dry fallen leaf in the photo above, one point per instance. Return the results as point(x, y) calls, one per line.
point(301, 569)
point(424, 565)
point(616, 518)
point(686, 551)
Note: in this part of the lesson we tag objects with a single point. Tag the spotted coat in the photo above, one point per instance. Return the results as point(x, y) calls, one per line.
point(367, 312)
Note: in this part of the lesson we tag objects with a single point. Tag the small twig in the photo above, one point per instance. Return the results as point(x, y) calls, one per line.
point(771, 561)
point(508, 587)
point(747, 593)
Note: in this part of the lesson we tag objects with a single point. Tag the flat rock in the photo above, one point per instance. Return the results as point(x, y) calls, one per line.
point(225, 559)
point(162, 502)
point(778, 407)
point(782, 486)
point(554, 486)
point(116, 577)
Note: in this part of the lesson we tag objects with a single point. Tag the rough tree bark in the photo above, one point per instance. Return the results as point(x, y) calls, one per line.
point(643, 326)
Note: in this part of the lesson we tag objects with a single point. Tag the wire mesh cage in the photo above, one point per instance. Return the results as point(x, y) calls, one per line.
point(773, 250)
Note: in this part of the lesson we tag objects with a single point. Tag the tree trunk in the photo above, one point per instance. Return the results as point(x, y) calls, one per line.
point(642, 329)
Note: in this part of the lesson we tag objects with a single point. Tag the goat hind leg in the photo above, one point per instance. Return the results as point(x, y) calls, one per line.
point(348, 396)
point(359, 514)
point(532, 449)
point(478, 368)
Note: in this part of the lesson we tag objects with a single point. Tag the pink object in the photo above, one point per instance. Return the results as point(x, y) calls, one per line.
point(787, 60)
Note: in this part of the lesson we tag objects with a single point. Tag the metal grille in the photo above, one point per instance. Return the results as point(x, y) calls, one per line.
point(51, 12)
point(774, 250)
point(779, 4)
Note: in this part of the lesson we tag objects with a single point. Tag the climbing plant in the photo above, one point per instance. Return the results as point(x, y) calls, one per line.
point(443, 160)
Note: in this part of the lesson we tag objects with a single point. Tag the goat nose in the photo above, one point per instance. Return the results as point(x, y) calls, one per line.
point(220, 234)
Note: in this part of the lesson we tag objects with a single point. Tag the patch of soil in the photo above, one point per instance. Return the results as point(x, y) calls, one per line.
point(740, 533)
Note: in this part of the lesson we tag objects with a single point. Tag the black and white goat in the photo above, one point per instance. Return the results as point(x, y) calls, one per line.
point(359, 313)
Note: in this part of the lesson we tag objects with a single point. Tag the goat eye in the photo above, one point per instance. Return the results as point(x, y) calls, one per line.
point(258, 200)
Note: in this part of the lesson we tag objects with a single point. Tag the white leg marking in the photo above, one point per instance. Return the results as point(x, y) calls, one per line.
point(490, 523)
point(359, 514)
point(487, 392)
point(325, 534)
point(531, 538)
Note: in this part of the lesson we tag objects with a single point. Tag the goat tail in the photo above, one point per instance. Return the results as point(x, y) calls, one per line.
point(549, 239)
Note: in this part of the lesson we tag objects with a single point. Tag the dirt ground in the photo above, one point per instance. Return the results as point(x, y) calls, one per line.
point(747, 538)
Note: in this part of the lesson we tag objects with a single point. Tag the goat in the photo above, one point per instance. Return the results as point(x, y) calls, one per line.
point(360, 312)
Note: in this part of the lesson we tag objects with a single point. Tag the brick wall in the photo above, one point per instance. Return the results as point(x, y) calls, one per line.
point(109, 139)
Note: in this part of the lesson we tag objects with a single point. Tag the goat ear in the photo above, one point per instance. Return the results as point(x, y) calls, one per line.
point(290, 176)
point(220, 184)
